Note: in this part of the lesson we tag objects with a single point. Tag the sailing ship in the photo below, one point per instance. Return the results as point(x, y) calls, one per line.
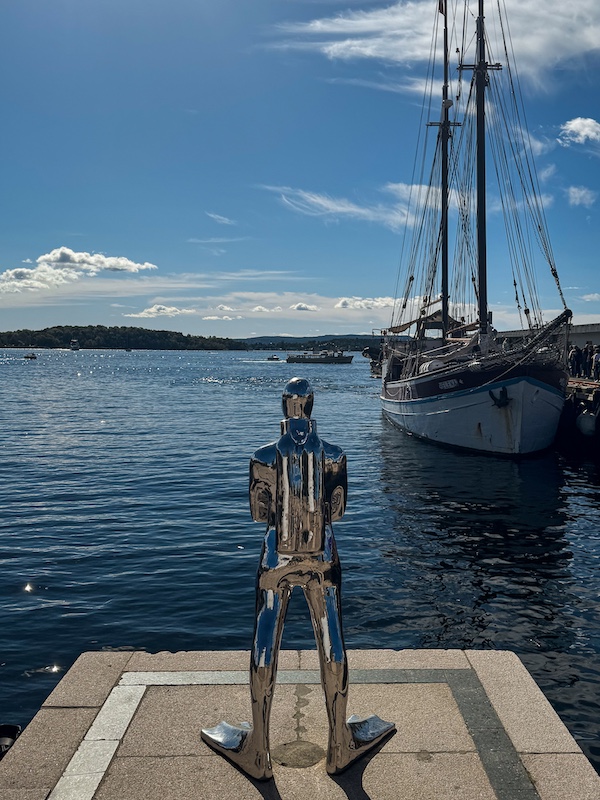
point(453, 382)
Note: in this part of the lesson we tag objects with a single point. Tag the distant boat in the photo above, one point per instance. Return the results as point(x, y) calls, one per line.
point(74, 344)
point(273, 358)
point(30, 356)
point(322, 357)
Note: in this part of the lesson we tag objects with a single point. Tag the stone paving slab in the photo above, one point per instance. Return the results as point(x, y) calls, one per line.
point(471, 725)
point(533, 726)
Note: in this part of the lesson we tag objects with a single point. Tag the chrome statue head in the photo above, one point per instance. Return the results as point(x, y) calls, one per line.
point(297, 400)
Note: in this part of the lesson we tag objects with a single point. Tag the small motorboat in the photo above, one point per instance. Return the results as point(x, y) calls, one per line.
point(273, 358)
point(30, 356)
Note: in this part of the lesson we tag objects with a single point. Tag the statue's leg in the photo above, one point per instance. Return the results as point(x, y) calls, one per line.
point(323, 600)
point(270, 617)
point(248, 746)
point(352, 738)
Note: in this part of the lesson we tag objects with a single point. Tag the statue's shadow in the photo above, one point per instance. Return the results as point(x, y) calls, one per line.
point(350, 781)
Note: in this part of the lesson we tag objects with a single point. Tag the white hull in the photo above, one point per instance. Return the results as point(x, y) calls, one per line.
point(470, 419)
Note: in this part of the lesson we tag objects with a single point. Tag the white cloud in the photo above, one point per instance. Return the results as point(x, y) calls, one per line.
point(591, 298)
point(365, 302)
point(221, 220)
point(158, 310)
point(62, 266)
point(304, 307)
point(579, 131)
point(222, 307)
point(581, 196)
point(400, 33)
point(264, 310)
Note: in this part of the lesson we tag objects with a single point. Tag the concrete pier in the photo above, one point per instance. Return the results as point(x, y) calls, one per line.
point(472, 725)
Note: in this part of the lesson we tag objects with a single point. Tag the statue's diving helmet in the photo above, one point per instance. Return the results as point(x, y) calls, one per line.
point(297, 401)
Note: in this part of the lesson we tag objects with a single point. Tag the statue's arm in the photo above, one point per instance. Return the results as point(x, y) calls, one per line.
point(263, 483)
point(336, 480)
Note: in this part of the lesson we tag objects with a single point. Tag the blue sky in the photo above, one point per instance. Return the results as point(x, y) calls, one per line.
point(235, 169)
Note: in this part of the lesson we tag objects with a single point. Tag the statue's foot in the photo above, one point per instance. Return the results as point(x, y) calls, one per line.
point(361, 735)
point(235, 744)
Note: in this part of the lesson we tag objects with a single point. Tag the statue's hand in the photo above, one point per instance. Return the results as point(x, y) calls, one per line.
point(337, 503)
point(260, 503)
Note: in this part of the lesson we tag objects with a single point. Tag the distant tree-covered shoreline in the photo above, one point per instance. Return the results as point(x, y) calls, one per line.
point(99, 337)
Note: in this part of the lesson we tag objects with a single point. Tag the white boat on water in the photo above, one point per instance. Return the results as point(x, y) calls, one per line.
point(320, 357)
point(452, 381)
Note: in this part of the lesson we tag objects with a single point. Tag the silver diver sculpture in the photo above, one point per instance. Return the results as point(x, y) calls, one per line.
point(298, 487)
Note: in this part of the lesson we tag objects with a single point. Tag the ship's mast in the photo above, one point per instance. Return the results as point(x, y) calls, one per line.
point(481, 79)
point(445, 138)
point(481, 70)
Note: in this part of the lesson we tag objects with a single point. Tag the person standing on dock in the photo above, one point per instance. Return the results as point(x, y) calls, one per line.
point(596, 362)
point(587, 360)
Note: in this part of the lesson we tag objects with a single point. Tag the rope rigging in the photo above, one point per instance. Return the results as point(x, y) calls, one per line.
point(515, 190)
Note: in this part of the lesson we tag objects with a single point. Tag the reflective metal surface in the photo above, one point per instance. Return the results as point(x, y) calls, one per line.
point(298, 487)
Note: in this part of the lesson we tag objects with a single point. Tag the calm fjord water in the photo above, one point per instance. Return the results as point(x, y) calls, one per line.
point(125, 524)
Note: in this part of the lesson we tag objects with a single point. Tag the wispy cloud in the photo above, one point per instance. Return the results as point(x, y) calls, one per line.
point(257, 275)
point(224, 318)
point(400, 33)
point(409, 85)
point(313, 204)
point(220, 219)
point(547, 172)
point(158, 310)
point(62, 266)
point(581, 196)
point(395, 214)
point(539, 145)
point(591, 298)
